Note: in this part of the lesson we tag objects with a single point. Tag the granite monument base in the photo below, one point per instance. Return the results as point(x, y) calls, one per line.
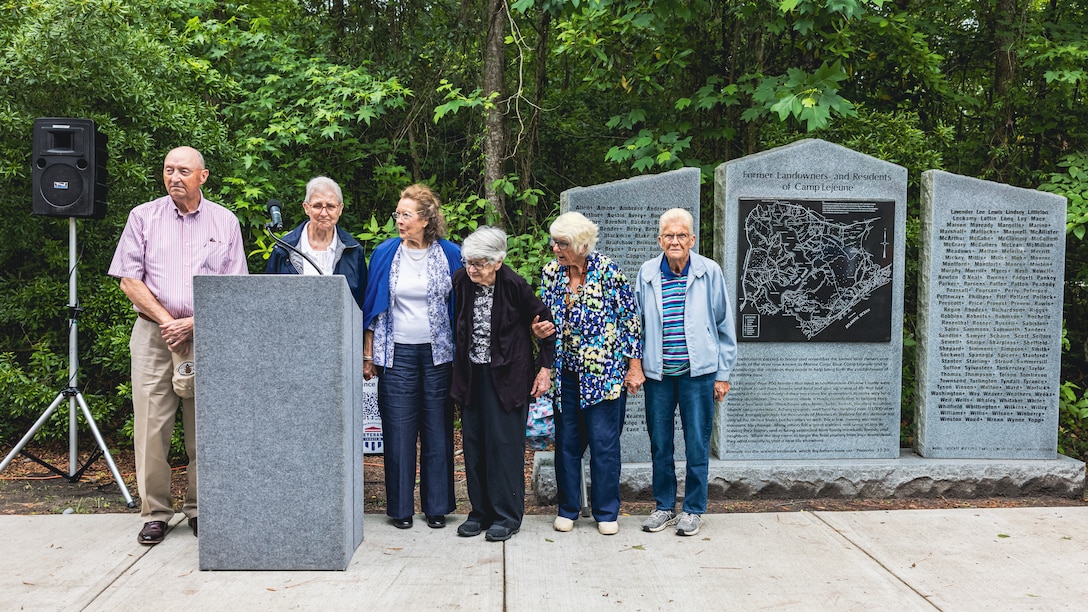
point(279, 422)
point(908, 476)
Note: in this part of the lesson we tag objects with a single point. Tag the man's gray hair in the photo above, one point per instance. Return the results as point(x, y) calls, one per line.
point(323, 184)
point(674, 215)
point(485, 243)
point(576, 229)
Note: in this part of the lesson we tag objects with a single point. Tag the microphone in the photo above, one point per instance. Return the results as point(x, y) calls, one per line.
point(274, 212)
point(273, 207)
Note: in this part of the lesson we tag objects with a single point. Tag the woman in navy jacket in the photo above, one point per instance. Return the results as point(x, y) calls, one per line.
point(330, 247)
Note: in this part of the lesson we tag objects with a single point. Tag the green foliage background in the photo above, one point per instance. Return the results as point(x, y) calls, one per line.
point(381, 93)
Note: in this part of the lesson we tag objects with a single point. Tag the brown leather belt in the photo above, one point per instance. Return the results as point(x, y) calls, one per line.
point(146, 318)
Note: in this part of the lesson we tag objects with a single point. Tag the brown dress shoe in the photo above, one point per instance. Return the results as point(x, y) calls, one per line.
point(152, 533)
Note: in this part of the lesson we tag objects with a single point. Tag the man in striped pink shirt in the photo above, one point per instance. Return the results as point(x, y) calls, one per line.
point(165, 243)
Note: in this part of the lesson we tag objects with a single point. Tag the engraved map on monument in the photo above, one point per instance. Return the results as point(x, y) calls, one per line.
point(815, 270)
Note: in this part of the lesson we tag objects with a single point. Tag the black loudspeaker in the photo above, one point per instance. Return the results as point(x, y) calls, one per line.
point(69, 168)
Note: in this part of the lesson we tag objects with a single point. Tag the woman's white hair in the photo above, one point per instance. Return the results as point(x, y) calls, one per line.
point(576, 229)
point(674, 215)
point(485, 243)
point(323, 184)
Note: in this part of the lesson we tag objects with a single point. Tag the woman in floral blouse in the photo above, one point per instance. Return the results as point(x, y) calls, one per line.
point(408, 339)
point(598, 358)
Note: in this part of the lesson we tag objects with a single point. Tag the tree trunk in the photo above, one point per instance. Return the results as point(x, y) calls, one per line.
point(339, 17)
point(494, 70)
point(413, 150)
point(531, 137)
point(1006, 39)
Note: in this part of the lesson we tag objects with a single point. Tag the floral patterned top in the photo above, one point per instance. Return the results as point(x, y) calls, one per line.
point(482, 305)
point(439, 287)
point(598, 327)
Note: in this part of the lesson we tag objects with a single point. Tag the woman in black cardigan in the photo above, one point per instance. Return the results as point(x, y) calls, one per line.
point(494, 374)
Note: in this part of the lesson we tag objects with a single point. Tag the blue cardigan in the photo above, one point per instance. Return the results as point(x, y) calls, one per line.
point(377, 292)
point(351, 265)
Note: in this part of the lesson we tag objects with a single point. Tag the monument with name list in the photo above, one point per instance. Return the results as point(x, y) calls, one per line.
point(811, 238)
point(992, 268)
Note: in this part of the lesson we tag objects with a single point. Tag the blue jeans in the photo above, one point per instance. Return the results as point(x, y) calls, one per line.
point(412, 400)
point(695, 395)
point(597, 426)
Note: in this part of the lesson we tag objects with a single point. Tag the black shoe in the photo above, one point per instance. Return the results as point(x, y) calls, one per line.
point(500, 533)
point(470, 528)
point(436, 521)
point(152, 533)
point(192, 525)
point(403, 523)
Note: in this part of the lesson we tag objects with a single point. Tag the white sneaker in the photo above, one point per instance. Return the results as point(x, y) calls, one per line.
point(688, 524)
point(608, 527)
point(563, 523)
point(659, 520)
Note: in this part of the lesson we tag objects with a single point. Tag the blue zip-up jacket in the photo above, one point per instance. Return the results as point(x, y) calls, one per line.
point(350, 261)
point(708, 319)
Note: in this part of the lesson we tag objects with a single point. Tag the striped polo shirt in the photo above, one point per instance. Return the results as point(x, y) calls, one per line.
point(674, 351)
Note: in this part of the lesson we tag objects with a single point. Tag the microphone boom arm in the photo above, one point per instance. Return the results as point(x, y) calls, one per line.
point(293, 249)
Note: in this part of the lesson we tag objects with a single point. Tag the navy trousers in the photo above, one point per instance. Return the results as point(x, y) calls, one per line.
point(597, 426)
point(413, 402)
point(494, 442)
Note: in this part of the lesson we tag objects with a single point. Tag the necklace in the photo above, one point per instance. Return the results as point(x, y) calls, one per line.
point(413, 257)
point(574, 291)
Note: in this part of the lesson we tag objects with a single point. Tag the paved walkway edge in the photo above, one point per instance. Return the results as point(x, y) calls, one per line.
point(962, 559)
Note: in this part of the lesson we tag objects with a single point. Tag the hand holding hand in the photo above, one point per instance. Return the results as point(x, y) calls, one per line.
point(635, 378)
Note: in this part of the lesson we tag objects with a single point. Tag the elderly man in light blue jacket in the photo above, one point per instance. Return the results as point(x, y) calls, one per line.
point(689, 347)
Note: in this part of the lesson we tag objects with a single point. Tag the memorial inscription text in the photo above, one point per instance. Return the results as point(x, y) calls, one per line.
point(994, 294)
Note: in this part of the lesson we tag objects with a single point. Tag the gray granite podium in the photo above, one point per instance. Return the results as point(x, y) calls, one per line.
point(279, 422)
point(627, 214)
point(992, 269)
point(811, 241)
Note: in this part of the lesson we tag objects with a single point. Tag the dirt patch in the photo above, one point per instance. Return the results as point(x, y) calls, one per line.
point(28, 488)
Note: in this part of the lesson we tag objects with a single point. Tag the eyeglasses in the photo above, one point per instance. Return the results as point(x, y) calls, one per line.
point(327, 207)
point(475, 265)
point(562, 244)
point(407, 216)
point(671, 237)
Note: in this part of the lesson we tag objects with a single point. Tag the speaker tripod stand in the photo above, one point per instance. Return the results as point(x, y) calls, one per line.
point(74, 397)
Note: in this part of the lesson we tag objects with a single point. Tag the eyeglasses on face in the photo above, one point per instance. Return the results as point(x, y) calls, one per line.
point(561, 244)
point(476, 265)
point(319, 207)
point(671, 237)
point(407, 216)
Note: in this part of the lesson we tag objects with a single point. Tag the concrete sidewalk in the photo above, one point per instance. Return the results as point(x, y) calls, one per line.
point(964, 559)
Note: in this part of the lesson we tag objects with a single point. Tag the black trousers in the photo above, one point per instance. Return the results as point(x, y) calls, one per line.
point(494, 444)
